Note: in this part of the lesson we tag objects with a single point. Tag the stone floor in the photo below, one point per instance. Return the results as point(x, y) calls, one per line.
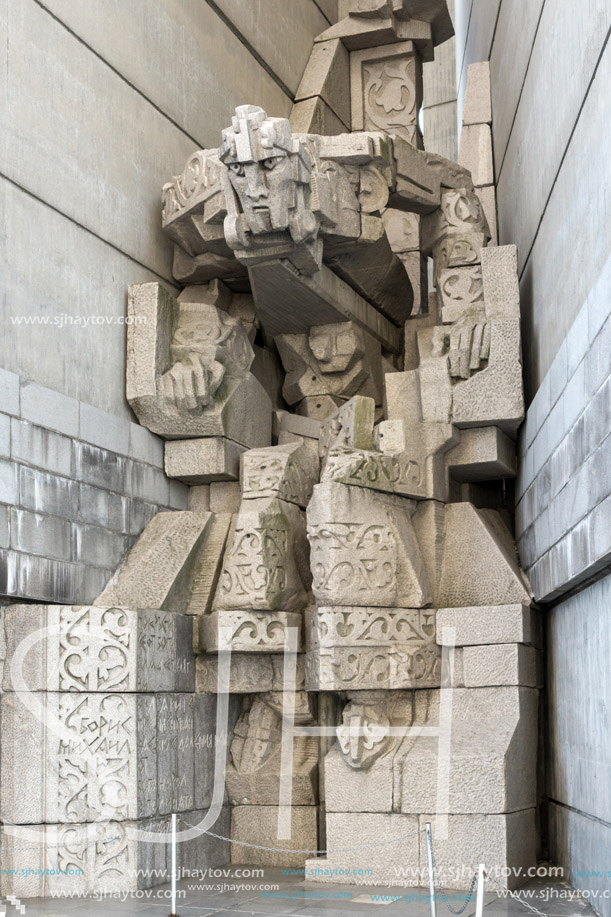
point(234, 896)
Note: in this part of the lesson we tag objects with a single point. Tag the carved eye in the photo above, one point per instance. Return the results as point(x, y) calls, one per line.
point(270, 163)
point(237, 167)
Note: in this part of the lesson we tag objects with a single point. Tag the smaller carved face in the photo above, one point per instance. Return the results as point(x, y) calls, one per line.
point(363, 735)
point(336, 347)
point(266, 190)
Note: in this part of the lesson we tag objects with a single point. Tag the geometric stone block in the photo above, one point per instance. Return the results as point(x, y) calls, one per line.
point(363, 549)
point(503, 664)
point(478, 102)
point(248, 631)
point(349, 789)
point(395, 474)
point(188, 370)
point(460, 292)
point(377, 833)
point(369, 627)
point(104, 756)
point(480, 564)
point(92, 648)
point(288, 472)
point(389, 436)
point(402, 230)
point(476, 153)
point(259, 825)
point(200, 461)
point(265, 565)
point(314, 116)
point(480, 626)
point(493, 749)
point(507, 844)
point(159, 570)
point(494, 395)
point(208, 571)
point(483, 454)
point(249, 674)
point(501, 281)
point(225, 497)
point(327, 75)
point(351, 427)
point(364, 669)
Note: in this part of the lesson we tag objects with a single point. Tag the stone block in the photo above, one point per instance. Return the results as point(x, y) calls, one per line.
point(480, 564)
point(402, 230)
point(487, 197)
point(345, 626)
point(95, 545)
point(319, 407)
point(5, 435)
point(502, 842)
point(199, 499)
point(48, 408)
point(201, 461)
point(483, 454)
point(402, 473)
point(259, 825)
point(86, 648)
point(225, 497)
point(265, 567)
point(363, 549)
point(350, 426)
point(103, 508)
point(49, 536)
point(304, 427)
point(389, 436)
point(475, 153)
point(350, 789)
point(248, 631)
point(147, 483)
point(159, 570)
point(145, 446)
point(114, 756)
point(39, 446)
point(208, 569)
point(286, 471)
point(208, 389)
point(100, 468)
point(481, 626)
point(314, 116)
point(345, 668)
point(9, 392)
point(494, 395)
point(9, 484)
point(460, 291)
point(387, 839)
point(250, 674)
point(327, 75)
point(103, 429)
point(501, 281)
point(477, 108)
point(416, 268)
point(504, 664)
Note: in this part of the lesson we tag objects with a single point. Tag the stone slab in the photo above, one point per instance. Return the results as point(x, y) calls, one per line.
point(501, 281)
point(201, 461)
point(286, 471)
point(318, 300)
point(504, 664)
point(477, 108)
point(259, 825)
point(327, 75)
point(481, 626)
point(348, 668)
point(248, 631)
point(475, 153)
point(92, 648)
point(483, 454)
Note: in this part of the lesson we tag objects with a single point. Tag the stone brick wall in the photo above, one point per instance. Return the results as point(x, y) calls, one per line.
point(77, 486)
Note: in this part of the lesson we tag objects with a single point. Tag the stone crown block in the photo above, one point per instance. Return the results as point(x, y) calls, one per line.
point(92, 648)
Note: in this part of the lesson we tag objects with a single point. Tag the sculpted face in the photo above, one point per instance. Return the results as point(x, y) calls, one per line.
point(336, 347)
point(265, 190)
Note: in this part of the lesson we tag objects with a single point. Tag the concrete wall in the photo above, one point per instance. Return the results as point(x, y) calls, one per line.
point(550, 64)
point(102, 101)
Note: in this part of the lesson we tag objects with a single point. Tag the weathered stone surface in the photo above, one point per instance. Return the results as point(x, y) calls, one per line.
point(501, 841)
point(199, 499)
point(483, 454)
point(480, 565)
point(402, 230)
point(207, 572)
point(259, 825)
point(344, 626)
point(327, 75)
point(401, 667)
point(389, 436)
point(504, 664)
point(416, 268)
point(459, 216)
point(396, 474)
point(88, 648)
point(363, 549)
point(208, 389)
point(152, 576)
point(319, 407)
point(249, 674)
point(304, 427)
point(350, 426)
point(387, 839)
point(105, 756)
point(501, 281)
point(478, 102)
point(314, 116)
point(375, 67)
point(288, 472)
point(477, 626)
point(460, 291)
point(494, 395)
point(225, 497)
point(108, 854)
point(492, 753)
point(248, 631)
point(200, 461)
point(253, 775)
point(475, 153)
point(265, 564)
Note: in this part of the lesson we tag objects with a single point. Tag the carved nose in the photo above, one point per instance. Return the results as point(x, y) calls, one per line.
point(255, 186)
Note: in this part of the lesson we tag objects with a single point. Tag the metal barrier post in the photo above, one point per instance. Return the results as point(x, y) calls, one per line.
point(173, 878)
point(429, 861)
point(481, 888)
